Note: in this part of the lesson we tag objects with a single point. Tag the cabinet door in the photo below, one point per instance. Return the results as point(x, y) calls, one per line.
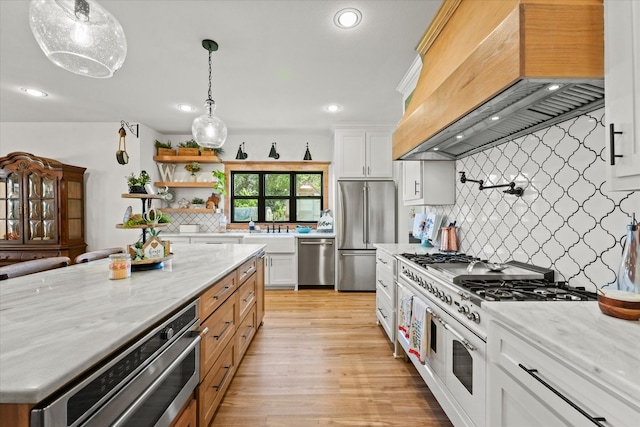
point(350, 151)
point(378, 155)
point(622, 101)
point(282, 270)
point(411, 181)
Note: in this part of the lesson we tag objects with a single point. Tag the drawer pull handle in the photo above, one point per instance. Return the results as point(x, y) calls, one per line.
point(226, 289)
point(249, 297)
point(382, 283)
point(224, 378)
point(382, 261)
point(226, 326)
point(246, 272)
point(246, 336)
point(612, 147)
point(204, 332)
point(382, 313)
point(595, 420)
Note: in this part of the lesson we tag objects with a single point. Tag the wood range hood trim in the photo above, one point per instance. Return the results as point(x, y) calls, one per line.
point(483, 58)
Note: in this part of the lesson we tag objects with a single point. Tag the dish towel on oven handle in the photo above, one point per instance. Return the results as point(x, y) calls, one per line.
point(404, 313)
point(420, 328)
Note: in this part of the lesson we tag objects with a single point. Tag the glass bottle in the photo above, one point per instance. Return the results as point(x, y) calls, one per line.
point(629, 272)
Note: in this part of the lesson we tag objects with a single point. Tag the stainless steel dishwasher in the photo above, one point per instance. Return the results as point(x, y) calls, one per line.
point(316, 262)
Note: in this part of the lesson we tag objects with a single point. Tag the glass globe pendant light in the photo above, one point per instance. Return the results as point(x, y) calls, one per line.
point(208, 130)
point(79, 35)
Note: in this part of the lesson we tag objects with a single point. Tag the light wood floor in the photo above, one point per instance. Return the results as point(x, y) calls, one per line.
point(319, 360)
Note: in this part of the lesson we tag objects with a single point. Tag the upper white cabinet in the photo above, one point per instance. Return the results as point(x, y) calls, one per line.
point(431, 182)
point(362, 153)
point(622, 93)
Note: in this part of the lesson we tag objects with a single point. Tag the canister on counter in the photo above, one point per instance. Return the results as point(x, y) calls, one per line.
point(119, 266)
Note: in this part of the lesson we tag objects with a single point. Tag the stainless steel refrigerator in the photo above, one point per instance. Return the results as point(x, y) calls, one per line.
point(366, 214)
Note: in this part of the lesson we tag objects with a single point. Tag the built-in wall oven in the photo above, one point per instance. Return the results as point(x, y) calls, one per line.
point(144, 385)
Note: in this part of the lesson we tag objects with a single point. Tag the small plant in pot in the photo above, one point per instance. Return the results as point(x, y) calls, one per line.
point(193, 167)
point(189, 148)
point(197, 203)
point(137, 183)
point(164, 148)
point(219, 184)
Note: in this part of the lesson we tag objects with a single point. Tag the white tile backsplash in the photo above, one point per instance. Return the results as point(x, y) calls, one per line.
point(565, 220)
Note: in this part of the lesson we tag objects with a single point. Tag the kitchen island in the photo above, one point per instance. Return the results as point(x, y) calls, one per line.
point(57, 324)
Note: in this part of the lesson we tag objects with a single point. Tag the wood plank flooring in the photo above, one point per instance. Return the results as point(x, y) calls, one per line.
point(321, 360)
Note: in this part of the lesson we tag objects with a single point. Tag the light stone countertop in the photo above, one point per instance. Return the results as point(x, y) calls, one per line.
point(604, 347)
point(399, 248)
point(57, 324)
point(236, 234)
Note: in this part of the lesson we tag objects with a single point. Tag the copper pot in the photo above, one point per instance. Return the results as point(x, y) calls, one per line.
point(449, 239)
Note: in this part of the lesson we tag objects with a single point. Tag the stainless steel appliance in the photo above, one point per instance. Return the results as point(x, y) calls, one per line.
point(366, 214)
point(455, 363)
point(316, 262)
point(145, 384)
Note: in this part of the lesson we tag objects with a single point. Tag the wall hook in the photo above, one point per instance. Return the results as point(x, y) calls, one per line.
point(131, 127)
point(516, 191)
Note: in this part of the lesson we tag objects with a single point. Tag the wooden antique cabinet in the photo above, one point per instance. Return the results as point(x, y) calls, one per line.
point(41, 208)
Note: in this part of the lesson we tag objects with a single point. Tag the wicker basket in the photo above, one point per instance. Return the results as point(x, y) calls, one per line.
point(188, 151)
point(166, 152)
point(207, 152)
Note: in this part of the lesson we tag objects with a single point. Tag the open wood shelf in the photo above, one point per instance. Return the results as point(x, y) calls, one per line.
point(187, 159)
point(160, 225)
point(140, 196)
point(185, 184)
point(187, 210)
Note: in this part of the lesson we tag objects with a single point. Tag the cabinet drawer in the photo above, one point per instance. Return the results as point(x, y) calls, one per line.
point(189, 416)
point(386, 261)
point(215, 384)
point(246, 331)
point(386, 316)
point(9, 257)
point(385, 283)
point(220, 327)
point(246, 270)
point(246, 297)
point(213, 297)
point(510, 353)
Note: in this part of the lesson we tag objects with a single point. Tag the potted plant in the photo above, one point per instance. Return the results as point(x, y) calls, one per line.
point(193, 167)
point(137, 183)
point(204, 151)
point(164, 148)
point(189, 148)
point(197, 203)
point(219, 183)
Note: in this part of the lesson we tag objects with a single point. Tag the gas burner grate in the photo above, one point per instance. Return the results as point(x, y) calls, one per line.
point(526, 290)
point(439, 258)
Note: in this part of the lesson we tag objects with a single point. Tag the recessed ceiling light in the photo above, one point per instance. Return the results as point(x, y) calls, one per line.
point(553, 87)
point(333, 108)
point(34, 92)
point(494, 118)
point(347, 18)
point(186, 108)
point(435, 149)
point(458, 136)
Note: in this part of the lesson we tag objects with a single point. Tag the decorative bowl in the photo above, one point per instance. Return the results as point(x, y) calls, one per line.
point(620, 304)
point(303, 230)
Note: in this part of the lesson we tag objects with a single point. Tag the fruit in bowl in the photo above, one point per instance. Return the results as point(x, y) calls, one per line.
point(303, 230)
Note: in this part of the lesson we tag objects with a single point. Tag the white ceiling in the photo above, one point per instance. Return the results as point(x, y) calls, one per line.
point(278, 64)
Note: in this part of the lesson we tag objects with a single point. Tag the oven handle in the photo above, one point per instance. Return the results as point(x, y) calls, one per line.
point(457, 334)
point(140, 400)
point(532, 372)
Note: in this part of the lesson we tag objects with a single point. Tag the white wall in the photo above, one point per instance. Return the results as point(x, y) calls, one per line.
point(93, 146)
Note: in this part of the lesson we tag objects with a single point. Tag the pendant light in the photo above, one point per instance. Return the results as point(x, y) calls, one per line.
point(273, 153)
point(208, 130)
point(307, 154)
point(242, 155)
point(79, 35)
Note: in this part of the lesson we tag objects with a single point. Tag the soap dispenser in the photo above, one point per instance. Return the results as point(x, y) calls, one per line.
point(252, 225)
point(629, 272)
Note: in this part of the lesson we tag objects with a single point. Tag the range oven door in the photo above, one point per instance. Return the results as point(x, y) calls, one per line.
point(465, 370)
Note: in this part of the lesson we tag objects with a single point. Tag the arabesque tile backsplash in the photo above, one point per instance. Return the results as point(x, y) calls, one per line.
point(565, 220)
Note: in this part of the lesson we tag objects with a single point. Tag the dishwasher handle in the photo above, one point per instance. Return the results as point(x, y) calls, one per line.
point(316, 243)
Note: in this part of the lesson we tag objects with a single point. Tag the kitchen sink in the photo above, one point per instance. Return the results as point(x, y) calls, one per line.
point(283, 242)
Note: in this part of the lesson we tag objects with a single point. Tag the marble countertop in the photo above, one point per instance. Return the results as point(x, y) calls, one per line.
point(235, 234)
point(604, 347)
point(399, 248)
point(57, 324)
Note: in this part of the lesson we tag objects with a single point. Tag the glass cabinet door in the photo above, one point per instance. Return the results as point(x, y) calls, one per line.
point(41, 212)
point(10, 207)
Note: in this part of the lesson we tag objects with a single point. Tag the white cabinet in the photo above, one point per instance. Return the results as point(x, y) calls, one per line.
point(385, 293)
point(528, 386)
point(622, 93)
point(361, 153)
point(280, 271)
point(431, 182)
point(217, 239)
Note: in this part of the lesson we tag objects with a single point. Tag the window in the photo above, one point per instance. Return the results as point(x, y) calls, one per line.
point(276, 196)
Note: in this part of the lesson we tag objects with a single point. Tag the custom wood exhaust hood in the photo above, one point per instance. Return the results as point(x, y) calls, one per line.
point(484, 59)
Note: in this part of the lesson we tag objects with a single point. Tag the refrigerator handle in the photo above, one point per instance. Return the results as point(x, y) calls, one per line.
point(365, 214)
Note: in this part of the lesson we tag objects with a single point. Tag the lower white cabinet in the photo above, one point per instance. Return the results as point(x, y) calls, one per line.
point(429, 182)
point(385, 293)
point(280, 270)
point(529, 386)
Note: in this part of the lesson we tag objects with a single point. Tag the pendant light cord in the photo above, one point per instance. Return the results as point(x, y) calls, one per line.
point(209, 99)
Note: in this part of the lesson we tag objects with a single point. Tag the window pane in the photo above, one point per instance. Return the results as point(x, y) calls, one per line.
point(308, 209)
point(245, 209)
point(277, 184)
point(308, 184)
point(276, 210)
point(245, 184)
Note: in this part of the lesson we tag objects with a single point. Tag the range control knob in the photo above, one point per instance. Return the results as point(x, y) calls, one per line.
point(167, 334)
point(448, 299)
point(463, 309)
point(474, 316)
point(441, 295)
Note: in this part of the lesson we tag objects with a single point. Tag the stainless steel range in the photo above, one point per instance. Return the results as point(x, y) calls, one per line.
point(451, 288)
